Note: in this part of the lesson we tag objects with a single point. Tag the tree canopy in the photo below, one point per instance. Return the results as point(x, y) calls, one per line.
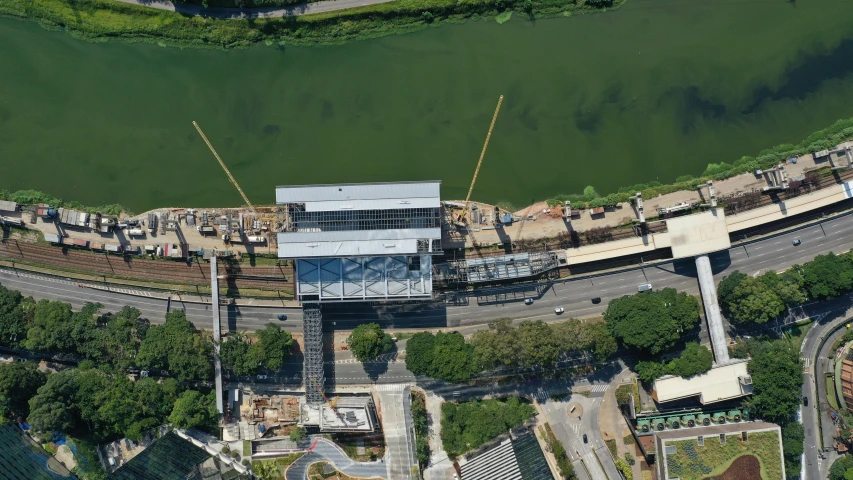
point(269, 350)
point(695, 359)
point(652, 322)
point(368, 341)
point(177, 347)
point(444, 356)
point(101, 405)
point(12, 317)
point(828, 276)
point(467, 425)
point(777, 379)
point(192, 409)
point(19, 381)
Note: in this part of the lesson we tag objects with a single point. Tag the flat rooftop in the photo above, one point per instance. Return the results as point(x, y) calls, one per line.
point(351, 414)
point(698, 234)
point(718, 384)
point(363, 196)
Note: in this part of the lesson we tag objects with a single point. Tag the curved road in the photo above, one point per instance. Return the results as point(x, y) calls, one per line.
point(238, 13)
point(324, 450)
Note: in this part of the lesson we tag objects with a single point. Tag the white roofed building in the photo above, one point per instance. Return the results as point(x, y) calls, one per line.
point(366, 241)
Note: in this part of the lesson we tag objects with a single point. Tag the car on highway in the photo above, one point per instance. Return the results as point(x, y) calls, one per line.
point(585, 440)
point(262, 377)
point(559, 310)
point(282, 317)
point(796, 242)
point(596, 300)
point(805, 401)
point(528, 301)
point(644, 287)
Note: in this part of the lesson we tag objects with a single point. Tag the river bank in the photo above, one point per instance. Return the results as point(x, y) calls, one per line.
point(104, 20)
point(735, 177)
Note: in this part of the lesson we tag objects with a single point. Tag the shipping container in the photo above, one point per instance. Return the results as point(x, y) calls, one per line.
point(96, 246)
point(136, 232)
point(80, 243)
point(130, 249)
point(207, 230)
point(82, 219)
point(152, 222)
point(111, 247)
point(52, 238)
point(257, 239)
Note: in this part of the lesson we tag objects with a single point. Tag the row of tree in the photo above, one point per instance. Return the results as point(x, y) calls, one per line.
point(753, 301)
point(447, 356)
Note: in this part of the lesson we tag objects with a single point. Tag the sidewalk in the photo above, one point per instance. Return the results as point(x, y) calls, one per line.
point(440, 467)
point(613, 426)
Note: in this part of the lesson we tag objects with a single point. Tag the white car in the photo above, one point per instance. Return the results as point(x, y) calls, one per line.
point(559, 310)
point(262, 377)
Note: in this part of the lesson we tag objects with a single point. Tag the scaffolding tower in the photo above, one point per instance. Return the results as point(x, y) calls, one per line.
point(312, 329)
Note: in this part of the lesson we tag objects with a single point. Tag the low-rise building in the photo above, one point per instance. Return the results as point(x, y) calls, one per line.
point(723, 382)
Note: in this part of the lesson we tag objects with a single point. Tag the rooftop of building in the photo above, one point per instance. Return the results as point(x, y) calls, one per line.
point(170, 457)
point(722, 382)
point(359, 191)
point(698, 234)
point(21, 457)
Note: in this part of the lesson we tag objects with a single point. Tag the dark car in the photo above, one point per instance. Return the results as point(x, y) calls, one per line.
point(282, 317)
point(796, 242)
point(584, 438)
point(805, 401)
point(596, 300)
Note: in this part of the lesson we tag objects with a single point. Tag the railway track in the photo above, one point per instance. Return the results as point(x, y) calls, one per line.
point(194, 274)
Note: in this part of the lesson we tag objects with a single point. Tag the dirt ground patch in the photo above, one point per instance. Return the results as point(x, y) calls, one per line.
point(746, 467)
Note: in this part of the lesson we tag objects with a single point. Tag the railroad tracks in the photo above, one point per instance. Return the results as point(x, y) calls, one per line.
point(165, 271)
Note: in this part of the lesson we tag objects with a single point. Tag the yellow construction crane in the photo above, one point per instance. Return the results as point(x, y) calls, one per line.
point(464, 217)
point(331, 403)
point(222, 164)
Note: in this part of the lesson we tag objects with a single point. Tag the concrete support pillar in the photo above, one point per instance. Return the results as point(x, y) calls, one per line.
point(712, 310)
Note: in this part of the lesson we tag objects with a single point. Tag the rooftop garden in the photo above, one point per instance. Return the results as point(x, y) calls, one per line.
point(693, 462)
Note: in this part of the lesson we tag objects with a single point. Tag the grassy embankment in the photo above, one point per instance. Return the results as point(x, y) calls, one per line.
point(102, 20)
point(822, 139)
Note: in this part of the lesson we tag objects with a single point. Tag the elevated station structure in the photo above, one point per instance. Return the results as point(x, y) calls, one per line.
point(361, 242)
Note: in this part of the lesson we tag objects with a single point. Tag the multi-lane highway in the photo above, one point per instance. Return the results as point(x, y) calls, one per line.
point(774, 252)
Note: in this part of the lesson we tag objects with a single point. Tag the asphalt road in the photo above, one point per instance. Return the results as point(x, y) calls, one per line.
point(834, 313)
point(574, 296)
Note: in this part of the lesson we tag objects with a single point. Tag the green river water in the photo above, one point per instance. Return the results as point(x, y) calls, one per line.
point(654, 90)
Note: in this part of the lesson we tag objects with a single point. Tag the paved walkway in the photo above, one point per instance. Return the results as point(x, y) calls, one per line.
point(612, 424)
point(440, 467)
point(395, 407)
point(240, 13)
point(324, 450)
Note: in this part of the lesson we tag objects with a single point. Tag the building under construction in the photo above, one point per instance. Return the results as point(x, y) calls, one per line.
point(342, 414)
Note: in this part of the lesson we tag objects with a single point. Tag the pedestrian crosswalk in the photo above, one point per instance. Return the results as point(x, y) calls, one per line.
point(576, 427)
point(562, 393)
point(390, 387)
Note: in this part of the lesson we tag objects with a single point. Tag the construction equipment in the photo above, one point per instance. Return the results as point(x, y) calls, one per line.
point(222, 164)
point(464, 217)
point(331, 403)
